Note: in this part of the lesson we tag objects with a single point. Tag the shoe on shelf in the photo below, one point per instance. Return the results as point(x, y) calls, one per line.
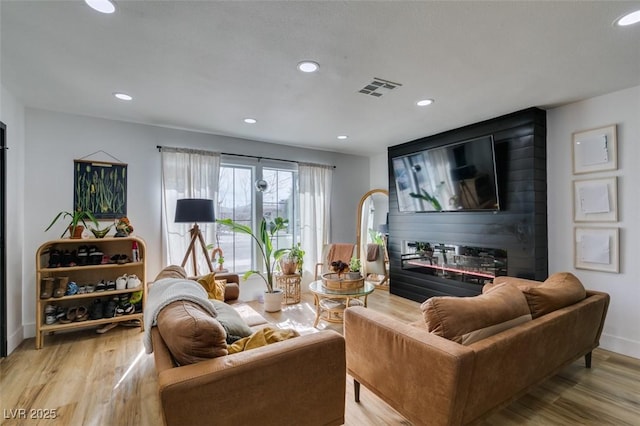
point(83, 255)
point(54, 258)
point(121, 282)
point(50, 319)
point(101, 286)
point(96, 310)
point(90, 288)
point(71, 315)
point(82, 314)
point(110, 308)
point(111, 285)
point(133, 281)
point(61, 289)
point(50, 309)
point(82, 289)
point(47, 288)
point(72, 288)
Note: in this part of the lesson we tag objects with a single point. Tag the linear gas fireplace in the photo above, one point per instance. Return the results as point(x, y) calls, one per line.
point(477, 265)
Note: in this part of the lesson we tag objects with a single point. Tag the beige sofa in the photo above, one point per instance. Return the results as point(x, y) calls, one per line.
point(296, 381)
point(435, 380)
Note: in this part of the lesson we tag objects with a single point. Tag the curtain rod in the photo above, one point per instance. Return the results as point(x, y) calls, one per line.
point(252, 156)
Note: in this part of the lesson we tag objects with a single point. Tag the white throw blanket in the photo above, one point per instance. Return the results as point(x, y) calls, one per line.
point(169, 290)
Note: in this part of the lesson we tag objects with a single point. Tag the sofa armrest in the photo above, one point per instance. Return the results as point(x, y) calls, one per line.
point(281, 383)
point(423, 376)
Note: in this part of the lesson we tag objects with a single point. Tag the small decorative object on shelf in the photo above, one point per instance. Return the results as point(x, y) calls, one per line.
point(123, 227)
point(100, 233)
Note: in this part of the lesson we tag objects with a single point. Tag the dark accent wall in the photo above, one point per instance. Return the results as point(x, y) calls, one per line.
point(520, 227)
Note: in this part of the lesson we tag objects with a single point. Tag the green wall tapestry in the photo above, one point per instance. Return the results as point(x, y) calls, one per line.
point(100, 188)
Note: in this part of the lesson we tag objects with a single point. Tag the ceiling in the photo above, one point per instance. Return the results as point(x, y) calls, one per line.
point(207, 65)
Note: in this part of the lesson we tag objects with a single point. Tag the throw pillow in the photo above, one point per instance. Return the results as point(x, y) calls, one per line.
point(559, 290)
point(232, 322)
point(262, 337)
point(191, 334)
point(468, 319)
point(522, 284)
point(215, 288)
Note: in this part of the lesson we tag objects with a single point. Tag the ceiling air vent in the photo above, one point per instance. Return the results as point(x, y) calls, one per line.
point(379, 87)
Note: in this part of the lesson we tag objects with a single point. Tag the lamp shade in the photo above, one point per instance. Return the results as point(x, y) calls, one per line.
point(194, 210)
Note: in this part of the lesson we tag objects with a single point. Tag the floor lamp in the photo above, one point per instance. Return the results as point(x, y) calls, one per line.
point(194, 210)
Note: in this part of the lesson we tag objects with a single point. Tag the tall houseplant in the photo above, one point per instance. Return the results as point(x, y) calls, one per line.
point(75, 218)
point(263, 239)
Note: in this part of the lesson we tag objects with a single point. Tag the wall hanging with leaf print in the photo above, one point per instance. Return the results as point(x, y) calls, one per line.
point(101, 188)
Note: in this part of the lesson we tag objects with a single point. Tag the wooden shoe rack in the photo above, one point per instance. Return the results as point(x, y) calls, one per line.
point(88, 274)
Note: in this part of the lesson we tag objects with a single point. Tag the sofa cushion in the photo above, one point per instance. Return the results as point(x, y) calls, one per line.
point(559, 290)
point(522, 284)
point(231, 321)
point(468, 319)
point(191, 334)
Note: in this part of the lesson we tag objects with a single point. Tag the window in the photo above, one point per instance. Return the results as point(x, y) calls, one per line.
point(239, 199)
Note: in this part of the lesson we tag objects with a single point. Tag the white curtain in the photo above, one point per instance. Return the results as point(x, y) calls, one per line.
point(187, 173)
point(315, 207)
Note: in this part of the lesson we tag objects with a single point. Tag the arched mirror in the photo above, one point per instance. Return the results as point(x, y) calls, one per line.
point(371, 232)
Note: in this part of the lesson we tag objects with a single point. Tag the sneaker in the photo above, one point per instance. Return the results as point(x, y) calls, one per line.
point(83, 255)
point(72, 288)
point(90, 288)
point(50, 319)
point(111, 285)
point(82, 289)
point(101, 286)
point(50, 309)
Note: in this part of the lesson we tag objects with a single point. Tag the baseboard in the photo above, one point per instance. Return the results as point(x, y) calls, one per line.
point(620, 345)
point(14, 339)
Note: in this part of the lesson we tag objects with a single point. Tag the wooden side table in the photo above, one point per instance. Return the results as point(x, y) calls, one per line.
point(290, 285)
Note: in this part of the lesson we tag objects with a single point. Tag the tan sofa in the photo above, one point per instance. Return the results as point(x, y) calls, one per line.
point(433, 380)
point(296, 381)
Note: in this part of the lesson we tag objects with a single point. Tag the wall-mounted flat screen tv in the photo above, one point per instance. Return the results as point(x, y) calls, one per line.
point(456, 177)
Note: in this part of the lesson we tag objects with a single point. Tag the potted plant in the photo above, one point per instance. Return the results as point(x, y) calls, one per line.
point(354, 269)
point(292, 261)
point(273, 297)
point(75, 217)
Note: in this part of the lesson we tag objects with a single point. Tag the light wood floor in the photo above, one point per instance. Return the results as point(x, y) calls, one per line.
point(92, 379)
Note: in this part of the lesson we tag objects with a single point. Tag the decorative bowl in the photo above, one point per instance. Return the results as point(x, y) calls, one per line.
point(100, 233)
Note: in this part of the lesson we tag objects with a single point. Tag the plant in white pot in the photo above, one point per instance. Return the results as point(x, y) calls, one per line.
point(264, 237)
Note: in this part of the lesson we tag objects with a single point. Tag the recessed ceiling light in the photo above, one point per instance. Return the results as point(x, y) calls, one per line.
point(424, 102)
point(343, 137)
point(308, 66)
point(123, 96)
point(628, 19)
point(102, 6)
point(250, 120)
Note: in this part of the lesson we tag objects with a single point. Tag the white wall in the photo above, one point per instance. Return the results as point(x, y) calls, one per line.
point(378, 172)
point(621, 332)
point(54, 140)
point(12, 115)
